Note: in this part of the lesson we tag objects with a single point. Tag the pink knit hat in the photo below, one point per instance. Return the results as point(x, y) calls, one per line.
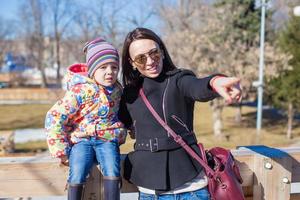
point(99, 52)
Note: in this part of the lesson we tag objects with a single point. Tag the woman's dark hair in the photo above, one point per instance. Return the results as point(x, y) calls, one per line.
point(131, 77)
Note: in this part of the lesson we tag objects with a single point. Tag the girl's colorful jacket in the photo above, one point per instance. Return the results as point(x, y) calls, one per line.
point(87, 109)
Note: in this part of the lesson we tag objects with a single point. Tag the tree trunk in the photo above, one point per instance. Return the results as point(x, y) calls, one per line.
point(238, 115)
point(217, 108)
point(44, 83)
point(290, 121)
point(40, 58)
point(57, 41)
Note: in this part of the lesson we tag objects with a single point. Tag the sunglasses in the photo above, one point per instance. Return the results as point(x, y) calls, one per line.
point(141, 59)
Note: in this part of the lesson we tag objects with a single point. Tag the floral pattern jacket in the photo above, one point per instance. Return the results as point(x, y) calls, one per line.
point(87, 109)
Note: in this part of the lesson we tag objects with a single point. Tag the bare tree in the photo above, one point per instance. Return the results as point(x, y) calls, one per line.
point(5, 32)
point(62, 16)
point(86, 25)
point(32, 20)
point(144, 11)
point(81, 29)
point(109, 19)
point(101, 20)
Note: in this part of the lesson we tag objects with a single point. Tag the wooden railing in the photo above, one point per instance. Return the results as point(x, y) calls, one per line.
point(268, 173)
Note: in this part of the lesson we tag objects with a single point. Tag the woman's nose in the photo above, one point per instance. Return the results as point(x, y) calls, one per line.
point(149, 60)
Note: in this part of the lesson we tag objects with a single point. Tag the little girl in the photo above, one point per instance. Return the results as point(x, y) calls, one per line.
point(84, 125)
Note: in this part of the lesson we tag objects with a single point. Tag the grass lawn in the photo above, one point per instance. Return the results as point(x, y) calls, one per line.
point(273, 133)
point(22, 116)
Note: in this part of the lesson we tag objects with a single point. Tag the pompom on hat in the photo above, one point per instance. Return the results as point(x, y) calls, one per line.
point(99, 52)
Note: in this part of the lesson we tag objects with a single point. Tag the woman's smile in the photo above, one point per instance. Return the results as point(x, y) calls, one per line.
point(152, 68)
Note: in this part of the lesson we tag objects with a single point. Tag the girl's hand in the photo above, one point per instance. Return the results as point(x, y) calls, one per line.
point(227, 87)
point(64, 160)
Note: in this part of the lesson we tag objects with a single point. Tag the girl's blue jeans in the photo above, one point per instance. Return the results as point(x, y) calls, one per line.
point(201, 194)
point(82, 157)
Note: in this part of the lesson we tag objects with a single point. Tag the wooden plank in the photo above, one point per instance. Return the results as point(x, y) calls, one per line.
point(30, 188)
point(31, 176)
point(30, 180)
point(94, 186)
point(295, 197)
point(271, 166)
point(42, 176)
point(34, 171)
point(296, 167)
point(248, 191)
point(245, 163)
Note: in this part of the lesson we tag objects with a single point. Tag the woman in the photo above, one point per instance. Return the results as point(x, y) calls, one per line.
point(158, 166)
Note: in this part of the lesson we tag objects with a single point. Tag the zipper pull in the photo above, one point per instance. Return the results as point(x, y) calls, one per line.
point(178, 120)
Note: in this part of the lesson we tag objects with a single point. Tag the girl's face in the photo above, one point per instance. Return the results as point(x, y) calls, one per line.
point(106, 75)
point(147, 57)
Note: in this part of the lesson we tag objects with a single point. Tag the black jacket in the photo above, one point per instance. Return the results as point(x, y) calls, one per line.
point(157, 161)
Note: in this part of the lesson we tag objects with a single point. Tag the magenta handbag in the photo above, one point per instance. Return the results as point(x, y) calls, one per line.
point(224, 179)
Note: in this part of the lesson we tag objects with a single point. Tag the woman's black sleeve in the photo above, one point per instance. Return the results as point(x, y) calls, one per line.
point(123, 113)
point(195, 88)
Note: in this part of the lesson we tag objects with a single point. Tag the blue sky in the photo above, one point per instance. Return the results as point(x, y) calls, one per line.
point(8, 8)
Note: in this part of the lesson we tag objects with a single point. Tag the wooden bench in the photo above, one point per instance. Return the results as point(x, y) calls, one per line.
point(268, 174)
